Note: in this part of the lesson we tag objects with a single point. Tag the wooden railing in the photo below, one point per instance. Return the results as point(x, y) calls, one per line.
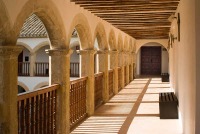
point(119, 79)
point(37, 111)
point(77, 101)
point(74, 69)
point(23, 68)
point(98, 89)
point(41, 69)
point(111, 87)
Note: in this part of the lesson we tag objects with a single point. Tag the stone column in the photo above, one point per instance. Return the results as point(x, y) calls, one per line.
point(113, 65)
point(131, 67)
point(87, 70)
point(32, 63)
point(8, 89)
point(127, 67)
point(121, 60)
point(60, 74)
point(134, 63)
point(103, 67)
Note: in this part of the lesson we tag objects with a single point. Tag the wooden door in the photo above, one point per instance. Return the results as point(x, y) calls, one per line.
point(151, 60)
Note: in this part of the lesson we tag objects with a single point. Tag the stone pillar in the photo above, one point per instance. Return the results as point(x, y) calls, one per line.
point(127, 67)
point(103, 67)
point(113, 65)
point(134, 64)
point(131, 67)
point(32, 63)
point(8, 89)
point(60, 74)
point(121, 60)
point(87, 70)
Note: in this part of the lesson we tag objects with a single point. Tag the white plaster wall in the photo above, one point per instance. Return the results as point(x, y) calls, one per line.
point(32, 82)
point(26, 53)
point(184, 66)
point(41, 55)
point(33, 42)
point(165, 61)
point(74, 56)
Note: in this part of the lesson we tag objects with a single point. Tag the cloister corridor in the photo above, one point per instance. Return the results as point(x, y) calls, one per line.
point(134, 110)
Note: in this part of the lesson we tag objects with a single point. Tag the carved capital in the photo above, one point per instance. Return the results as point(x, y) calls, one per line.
point(84, 52)
point(10, 51)
point(59, 52)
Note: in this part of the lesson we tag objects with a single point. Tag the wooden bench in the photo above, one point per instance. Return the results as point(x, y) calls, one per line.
point(165, 77)
point(168, 105)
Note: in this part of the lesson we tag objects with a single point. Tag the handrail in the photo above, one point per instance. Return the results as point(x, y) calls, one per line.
point(98, 74)
point(29, 94)
point(78, 80)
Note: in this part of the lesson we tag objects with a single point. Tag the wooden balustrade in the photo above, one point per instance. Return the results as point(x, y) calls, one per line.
point(111, 85)
point(119, 79)
point(98, 89)
point(74, 69)
point(37, 111)
point(41, 69)
point(77, 101)
point(23, 68)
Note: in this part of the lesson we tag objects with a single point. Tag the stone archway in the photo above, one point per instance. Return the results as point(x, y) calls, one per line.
point(80, 23)
point(47, 12)
point(158, 50)
point(112, 40)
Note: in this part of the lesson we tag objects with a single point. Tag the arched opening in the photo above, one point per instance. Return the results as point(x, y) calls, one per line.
point(75, 56)
point(42, 62)
point(24, 63)
point(152, 59)
point(33, 61)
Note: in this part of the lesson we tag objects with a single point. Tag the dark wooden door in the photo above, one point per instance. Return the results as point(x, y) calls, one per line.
point(151, 60)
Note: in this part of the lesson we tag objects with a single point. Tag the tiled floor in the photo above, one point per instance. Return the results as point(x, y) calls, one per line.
point(134, 110)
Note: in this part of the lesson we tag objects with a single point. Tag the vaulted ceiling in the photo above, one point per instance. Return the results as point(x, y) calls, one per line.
point(141, 19)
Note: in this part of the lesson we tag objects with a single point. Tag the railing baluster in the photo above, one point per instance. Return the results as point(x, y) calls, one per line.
point(77, 101)
point(37, 111)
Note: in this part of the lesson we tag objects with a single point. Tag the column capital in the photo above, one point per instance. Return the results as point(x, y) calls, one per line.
point(113, 52)
point(103, 51)
point(83, 52)
point(12, 51)
point(59, 52)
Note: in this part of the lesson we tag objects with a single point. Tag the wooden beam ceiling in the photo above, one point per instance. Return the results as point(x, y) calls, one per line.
point(141, 19)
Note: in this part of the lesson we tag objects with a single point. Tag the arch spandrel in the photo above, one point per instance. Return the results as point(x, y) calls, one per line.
point(100, 34)
point(5, 25)
point(126, 45)
point(112, 40)
point(120, 42)
point(80, 23)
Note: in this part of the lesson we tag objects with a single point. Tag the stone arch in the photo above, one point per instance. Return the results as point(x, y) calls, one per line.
point(23, 85)
point(112, 40)
point(80, 23)
point(139, 44)
point(120, 42)
point(130, 45)
point(126, 45)
point(40, 45)
point(41, 85)
point(100, 34)
point(46, 11)
point(26, 46)
point(5, 25)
